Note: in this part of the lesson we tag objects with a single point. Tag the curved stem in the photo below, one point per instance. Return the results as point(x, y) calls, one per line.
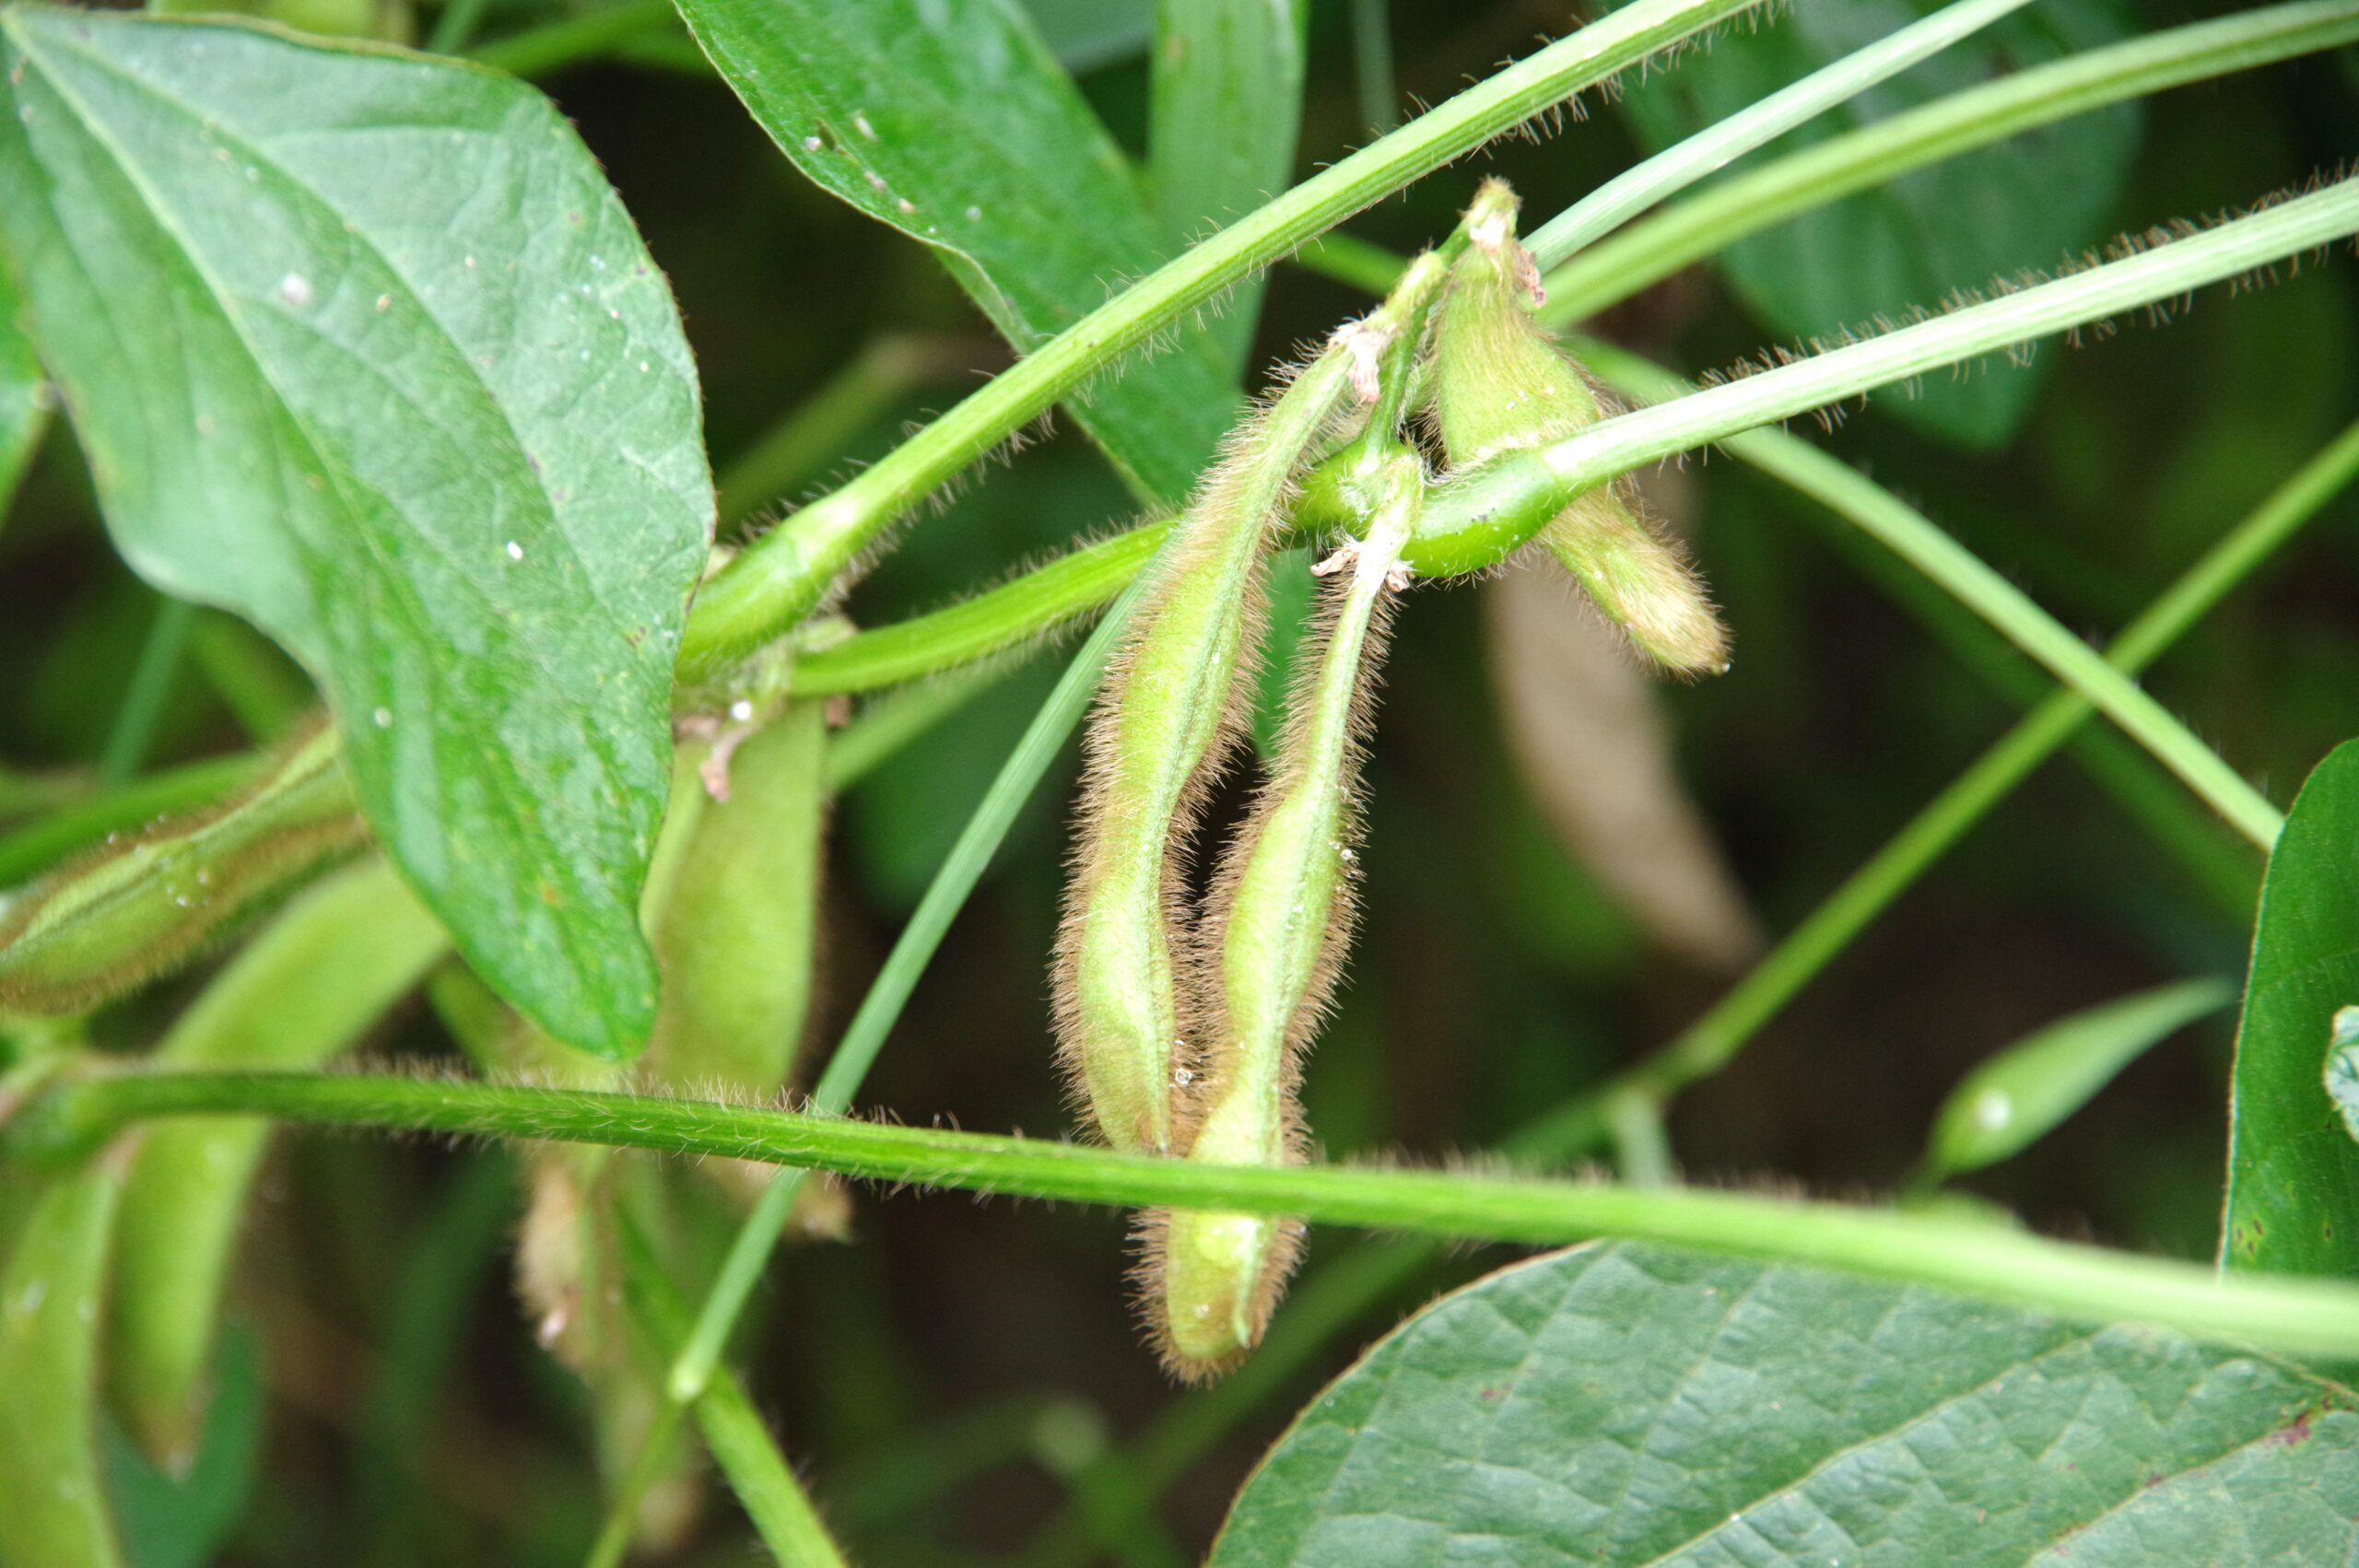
point(2311, 1317)
point(1648, 252)
point(779, 579)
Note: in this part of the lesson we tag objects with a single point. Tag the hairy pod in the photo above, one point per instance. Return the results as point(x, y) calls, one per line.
point(1174, 705)
point(1501, 386)
point(734, 937)
point(53, 1506)
point(1279, 921)
point(301, 993)
point(136, 910)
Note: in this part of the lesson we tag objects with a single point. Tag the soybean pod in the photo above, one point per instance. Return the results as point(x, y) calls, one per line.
point(734, 938)
point(1502, 386)
point(134, 910)
point(52, 1505)
point(1280, 919)
point(1174, 705)
point(300, 994)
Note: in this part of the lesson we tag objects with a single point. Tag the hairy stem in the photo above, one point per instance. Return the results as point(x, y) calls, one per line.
point(2312, 1317)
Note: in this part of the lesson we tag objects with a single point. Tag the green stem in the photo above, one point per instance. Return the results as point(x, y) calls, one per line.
point(881, 1008)
point(1651, 250)
point(816, 432)
point(733, 1431)
point(992, 622)
point(1634, 190)
point(893, 721)
point(2299, 1316)
point(552, 46)
point(1372, 67)
point(455, 27)
point(1911, 535)
point(779, 579)
point(144, 698)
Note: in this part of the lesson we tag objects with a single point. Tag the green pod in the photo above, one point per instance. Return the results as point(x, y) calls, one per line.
point(136, 910)
point(1174, 705)
point(52, 1505)
point(1501, 388)
point(1281, 916)
point(735, 936)
point(301, 992)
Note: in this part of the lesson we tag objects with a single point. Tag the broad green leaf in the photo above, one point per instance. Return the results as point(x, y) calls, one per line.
point(1227, 103)
point(361, 346)
point(1958, 225)
point(952, 121)
point(24, 396)
point(2014, 1099)
point(2292, 1169)
point(1626, 1405)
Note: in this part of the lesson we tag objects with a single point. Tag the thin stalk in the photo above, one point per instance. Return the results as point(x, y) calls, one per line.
point(144, 698)
point(815, 431)
point(1612, 270)
point(542, 51)
point(2297, 1316)
point(740, 1444)
point(881, 1008)
point(1909, 534)
point(1639, 187)
point(779, 579)
point(893, 721)
point(455, 27)
point(1713, 1039)
point(1372, 66)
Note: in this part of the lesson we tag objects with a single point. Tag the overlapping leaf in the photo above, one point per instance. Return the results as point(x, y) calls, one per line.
point(951, 120)
point(1625, 1405)
point(361, 346)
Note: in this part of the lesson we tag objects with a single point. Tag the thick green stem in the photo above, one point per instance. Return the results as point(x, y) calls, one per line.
point(2311, 1317)
point(776, 581)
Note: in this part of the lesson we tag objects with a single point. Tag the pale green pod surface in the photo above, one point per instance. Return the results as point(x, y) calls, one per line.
point(1282, 917)
point(301, 992)
point(1502, 385)
point(1174, 705)
point(735, 938)
point(136, 910)
point(52, 1508)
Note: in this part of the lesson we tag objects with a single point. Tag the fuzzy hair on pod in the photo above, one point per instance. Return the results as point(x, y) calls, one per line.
point(1501, 385)
point(137, 909)
point(1171, 712)
point(1264, 971)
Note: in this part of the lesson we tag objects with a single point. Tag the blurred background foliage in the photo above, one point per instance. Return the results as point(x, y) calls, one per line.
point(947, 1378)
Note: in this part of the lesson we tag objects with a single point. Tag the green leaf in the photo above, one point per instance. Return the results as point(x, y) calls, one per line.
point(1086, 34)
point(1625, 1404)
point(1958, 225)
point(951, 120)
point(361, 346)
point(1227, 103)
point(24, 396)
point(2292, 1170)
point(2014, 1099)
